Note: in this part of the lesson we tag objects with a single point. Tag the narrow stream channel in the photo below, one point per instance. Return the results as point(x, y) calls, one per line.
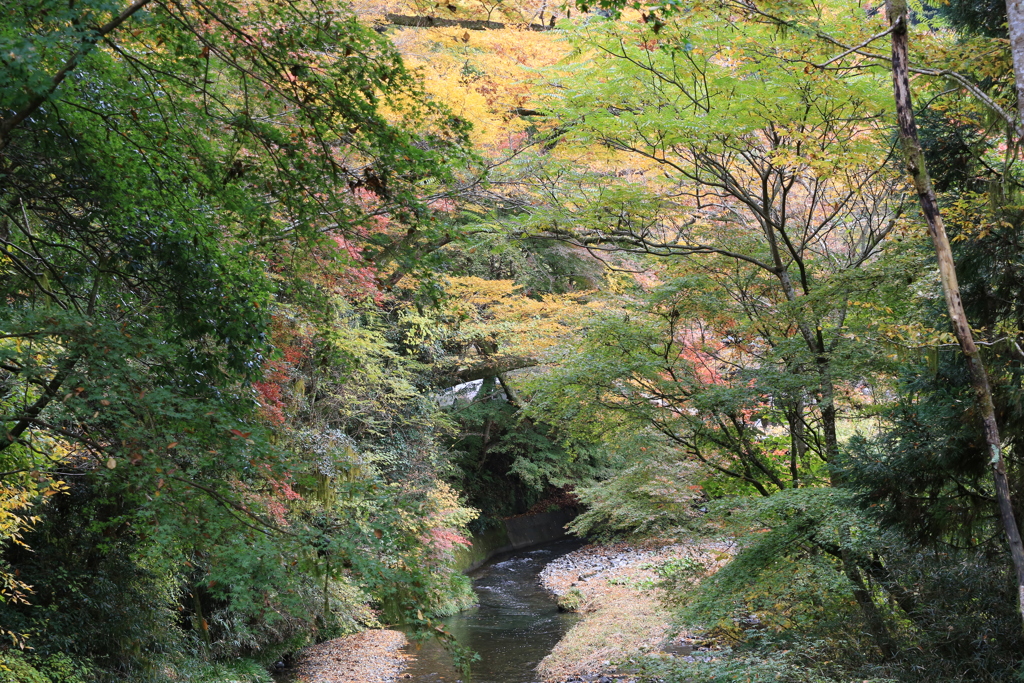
point(514, 626)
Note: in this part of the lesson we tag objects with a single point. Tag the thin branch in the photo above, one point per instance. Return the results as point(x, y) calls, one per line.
point(856, 48)
point(232, 505)
point(8, 124)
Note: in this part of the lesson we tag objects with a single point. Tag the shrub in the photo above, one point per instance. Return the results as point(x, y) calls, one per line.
point(15, 669)
point(571, 601)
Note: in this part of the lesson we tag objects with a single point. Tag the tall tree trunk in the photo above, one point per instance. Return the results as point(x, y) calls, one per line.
point(815, 344)
point(1015, 23)
point(327, 590)
point(829, 413)
point(798, 446)
point(897, 13)
point(872, 615)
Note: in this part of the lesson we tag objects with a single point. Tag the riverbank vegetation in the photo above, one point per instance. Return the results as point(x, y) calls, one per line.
point(300, 295)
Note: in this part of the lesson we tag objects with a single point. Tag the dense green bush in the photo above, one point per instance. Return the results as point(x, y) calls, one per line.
point(17, 667)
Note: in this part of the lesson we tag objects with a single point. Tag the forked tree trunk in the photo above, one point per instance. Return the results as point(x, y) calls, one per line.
point(897, 13)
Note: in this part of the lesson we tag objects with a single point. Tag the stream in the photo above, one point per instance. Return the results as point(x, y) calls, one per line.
point(515, 624)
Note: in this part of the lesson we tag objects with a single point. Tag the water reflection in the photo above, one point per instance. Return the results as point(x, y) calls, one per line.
point(514, 626)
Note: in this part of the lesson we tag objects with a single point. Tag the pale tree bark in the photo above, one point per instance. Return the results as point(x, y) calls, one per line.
point(897, 13)
point(1015, 23)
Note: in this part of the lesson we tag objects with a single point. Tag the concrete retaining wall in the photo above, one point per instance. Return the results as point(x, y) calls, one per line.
point(514, 534)
point(533, 529)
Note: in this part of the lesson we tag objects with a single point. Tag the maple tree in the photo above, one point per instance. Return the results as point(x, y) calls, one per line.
point(828, 42)
point(773, 185)
point(197, 198)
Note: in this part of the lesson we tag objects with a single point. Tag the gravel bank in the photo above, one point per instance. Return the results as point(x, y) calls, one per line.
point(623, 614)
point(367, 657)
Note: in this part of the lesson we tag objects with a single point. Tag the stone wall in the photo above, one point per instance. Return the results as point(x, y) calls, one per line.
point(513, 534)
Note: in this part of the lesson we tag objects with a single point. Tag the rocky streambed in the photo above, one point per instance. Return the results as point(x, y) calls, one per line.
point(515, 624)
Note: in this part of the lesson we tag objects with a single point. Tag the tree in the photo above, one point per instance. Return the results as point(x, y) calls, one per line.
point(811, 22)
point(113, 203)
point(177, 178)
point(897, 14)
point(683, 100)
point(769, 187)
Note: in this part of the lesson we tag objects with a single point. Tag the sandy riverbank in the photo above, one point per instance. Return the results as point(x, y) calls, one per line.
point(368, 657)
point(622, 610)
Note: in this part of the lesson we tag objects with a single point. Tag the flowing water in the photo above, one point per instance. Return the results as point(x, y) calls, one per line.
point(514, 626)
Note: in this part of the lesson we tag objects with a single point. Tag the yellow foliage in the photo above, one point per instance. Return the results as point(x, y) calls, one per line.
point(483, 76)
point(499, 312)
point(15, 501)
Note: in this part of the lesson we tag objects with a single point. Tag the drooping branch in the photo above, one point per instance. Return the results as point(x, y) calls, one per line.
point(487, 366)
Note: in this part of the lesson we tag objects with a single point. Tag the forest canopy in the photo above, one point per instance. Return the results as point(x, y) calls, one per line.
point(300, 296)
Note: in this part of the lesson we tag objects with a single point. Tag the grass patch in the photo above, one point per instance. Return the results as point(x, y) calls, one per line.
point(571, 601)
point(619, 623)
point(626, 611)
